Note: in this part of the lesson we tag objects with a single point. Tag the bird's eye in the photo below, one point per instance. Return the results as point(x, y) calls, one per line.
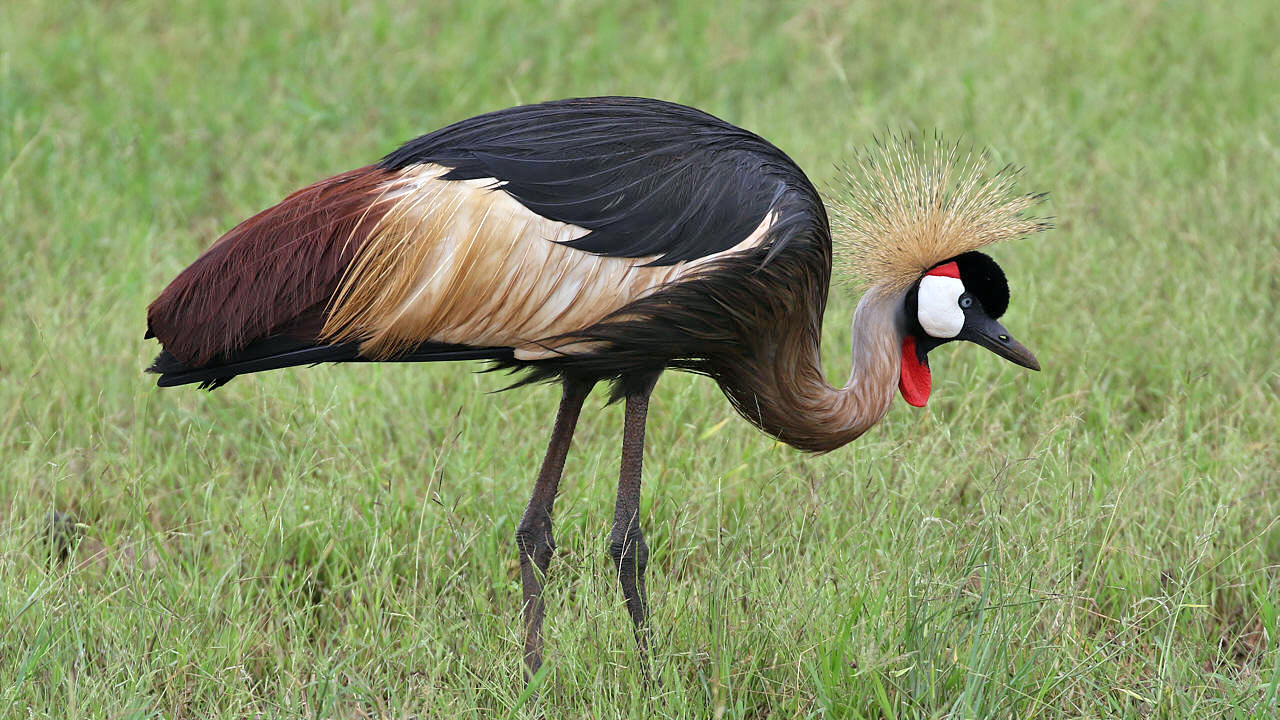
point(966, 301)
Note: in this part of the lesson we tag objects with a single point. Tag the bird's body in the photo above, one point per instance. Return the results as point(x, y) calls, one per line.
point(581, 240)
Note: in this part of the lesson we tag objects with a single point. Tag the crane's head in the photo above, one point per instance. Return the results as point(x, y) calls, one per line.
point(958, 299)
point(910, 223)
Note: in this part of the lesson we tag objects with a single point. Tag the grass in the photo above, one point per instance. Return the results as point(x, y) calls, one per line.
point(1101, 539)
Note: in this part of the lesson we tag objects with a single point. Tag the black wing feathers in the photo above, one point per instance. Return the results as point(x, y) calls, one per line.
point(282, 351)
point(646, 177)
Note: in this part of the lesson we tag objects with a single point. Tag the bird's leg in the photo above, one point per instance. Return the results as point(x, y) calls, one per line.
point(533, 536)
point(626, 541)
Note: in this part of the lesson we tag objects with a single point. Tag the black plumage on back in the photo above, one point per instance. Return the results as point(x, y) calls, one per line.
point(646, 177)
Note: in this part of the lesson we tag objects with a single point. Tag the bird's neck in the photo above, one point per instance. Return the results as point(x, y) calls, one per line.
point(791, 399)
point(877, 360)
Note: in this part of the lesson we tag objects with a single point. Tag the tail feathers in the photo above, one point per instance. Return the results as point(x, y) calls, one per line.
point(281, 352)
point(269, 270)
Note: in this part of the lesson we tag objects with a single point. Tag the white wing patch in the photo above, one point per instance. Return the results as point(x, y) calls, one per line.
point(466, 263)
point(938, 306)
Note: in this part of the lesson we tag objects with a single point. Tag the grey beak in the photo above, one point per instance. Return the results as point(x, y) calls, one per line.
point(991, 335)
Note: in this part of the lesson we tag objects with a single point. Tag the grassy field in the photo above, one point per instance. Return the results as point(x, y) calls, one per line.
point(1101, 539)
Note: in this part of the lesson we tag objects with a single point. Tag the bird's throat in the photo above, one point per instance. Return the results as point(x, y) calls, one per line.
point(914, 381)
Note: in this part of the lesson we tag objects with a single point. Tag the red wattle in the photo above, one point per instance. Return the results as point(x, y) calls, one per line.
point(914, 382)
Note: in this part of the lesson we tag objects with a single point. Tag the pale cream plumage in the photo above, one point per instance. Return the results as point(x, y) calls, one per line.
point(464, 262)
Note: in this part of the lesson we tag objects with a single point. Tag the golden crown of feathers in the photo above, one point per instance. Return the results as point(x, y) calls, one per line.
point(909, 204)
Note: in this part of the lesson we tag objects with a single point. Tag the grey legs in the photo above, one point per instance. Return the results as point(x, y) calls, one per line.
point(533, 536)
point(626, 541)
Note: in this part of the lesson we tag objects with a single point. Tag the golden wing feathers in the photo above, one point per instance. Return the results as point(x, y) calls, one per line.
point(462, 262)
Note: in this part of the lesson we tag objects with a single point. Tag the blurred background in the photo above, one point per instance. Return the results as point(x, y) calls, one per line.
point(1099, 539)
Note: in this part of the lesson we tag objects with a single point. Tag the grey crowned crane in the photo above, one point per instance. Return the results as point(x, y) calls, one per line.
point(608, 239)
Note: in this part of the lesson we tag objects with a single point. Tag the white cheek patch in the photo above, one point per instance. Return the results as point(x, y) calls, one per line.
point(938, 306)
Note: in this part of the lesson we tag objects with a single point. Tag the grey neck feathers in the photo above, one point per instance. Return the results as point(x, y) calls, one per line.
point(848, 412)
point(791, 400)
